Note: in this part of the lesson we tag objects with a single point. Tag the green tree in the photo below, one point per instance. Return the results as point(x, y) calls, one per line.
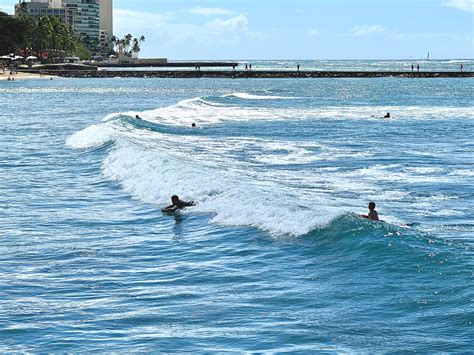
point(82, 52)
point(11, 34)
point(131, 46)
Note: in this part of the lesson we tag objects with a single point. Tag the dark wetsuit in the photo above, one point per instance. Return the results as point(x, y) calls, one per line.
point(180, 205)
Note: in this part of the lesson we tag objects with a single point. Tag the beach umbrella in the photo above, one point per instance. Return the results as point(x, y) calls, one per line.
point(17, 57)
point(31, 57)
point(5, 57)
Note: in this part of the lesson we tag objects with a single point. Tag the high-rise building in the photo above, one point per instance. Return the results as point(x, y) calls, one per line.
point(106, 19)
point(41, 8)
point(92, 19)
point(83, 15)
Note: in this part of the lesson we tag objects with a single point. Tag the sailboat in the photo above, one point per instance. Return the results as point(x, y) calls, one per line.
point(428, 57)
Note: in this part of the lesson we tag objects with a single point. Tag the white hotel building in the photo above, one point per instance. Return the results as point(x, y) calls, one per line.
point(90, 18)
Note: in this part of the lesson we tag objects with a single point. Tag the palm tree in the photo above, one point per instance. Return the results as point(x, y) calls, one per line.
point(135, 47)
point(126, 42)
point(23, 8)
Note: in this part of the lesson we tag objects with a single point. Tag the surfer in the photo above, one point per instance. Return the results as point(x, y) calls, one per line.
point(387, 115)
point(373, 215)
point(138, 117)
point(177, 204)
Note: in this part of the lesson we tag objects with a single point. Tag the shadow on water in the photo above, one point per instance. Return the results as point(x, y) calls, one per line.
point(178, 226)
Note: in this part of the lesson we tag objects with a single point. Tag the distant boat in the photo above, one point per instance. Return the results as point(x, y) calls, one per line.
point(428, 56)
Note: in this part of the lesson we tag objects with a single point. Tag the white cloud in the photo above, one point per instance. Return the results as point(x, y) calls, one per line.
point(210, 11)
point(167, 32)
point(299, 11)
point(313, 32)
point(238, 23)
point(463, 5)
point(367, 30)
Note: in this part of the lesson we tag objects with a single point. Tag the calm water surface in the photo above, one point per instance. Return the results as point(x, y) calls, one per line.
point(273, 257)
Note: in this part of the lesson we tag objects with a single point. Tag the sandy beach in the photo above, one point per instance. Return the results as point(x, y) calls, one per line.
point(23, 76)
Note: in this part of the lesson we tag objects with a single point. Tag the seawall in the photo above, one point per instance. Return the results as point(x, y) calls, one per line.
point(250, 74)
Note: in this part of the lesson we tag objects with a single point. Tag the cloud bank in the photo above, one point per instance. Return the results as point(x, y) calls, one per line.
point(463, 5)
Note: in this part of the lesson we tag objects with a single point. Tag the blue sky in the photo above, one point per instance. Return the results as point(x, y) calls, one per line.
point(297, 29)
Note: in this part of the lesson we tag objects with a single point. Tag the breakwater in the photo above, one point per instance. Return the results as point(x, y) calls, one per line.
point(147, 63)
point(251, 74)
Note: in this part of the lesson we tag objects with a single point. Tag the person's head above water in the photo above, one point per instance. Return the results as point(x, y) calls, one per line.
point(174, 200)
point(372, 206)
point(193, 125)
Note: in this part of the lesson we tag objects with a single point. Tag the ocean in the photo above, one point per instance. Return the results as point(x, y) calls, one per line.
point(273, 257)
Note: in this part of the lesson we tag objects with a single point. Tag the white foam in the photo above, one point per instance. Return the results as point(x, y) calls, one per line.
point(246, 96)
point(153, 176)
point(233, 178)
point(203, 113)
point(91, 137)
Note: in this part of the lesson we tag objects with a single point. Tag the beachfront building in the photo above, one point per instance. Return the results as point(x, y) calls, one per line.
point(106, 23)
point(83, 15)
point(41, 8)
point(92, 19)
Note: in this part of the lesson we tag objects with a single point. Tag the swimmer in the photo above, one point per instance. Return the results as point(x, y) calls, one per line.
point(177, 204)
point(193, 125)
point(387, 115)
point(373, 215)
point(137, 117)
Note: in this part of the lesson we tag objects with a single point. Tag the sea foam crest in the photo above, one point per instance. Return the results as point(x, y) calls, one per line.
point(214, 110)
point(91, 137)
point(206, 111)
point(247, 96)
point(154, 176)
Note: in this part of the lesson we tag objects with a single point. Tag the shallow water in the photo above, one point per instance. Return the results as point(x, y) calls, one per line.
point(273, 257)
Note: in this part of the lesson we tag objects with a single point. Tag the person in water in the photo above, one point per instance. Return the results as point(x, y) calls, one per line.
point(177, 204)
point(387, 115)
point(373, 215)
point(138, 117)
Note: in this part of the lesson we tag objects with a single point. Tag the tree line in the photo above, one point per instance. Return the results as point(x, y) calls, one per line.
point(51, 39)
point(42, 36)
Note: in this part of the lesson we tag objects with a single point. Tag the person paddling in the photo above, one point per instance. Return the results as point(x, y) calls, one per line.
point(177, 204)
point(373, 215)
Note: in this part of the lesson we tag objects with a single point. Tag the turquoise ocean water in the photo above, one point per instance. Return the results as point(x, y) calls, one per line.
point(273, 257)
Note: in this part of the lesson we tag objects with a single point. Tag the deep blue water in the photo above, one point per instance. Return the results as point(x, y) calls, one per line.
point(274, 256)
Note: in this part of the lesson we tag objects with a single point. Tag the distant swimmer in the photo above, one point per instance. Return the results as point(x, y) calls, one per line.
point(137, 117)
point(373, 215)
point(387, 115)
point(193, 125)
point(177, 204)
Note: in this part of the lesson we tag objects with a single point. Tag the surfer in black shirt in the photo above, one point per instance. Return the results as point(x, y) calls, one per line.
point(373, 215)
point(177, 204)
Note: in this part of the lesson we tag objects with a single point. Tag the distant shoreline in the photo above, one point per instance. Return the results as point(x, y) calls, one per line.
point(241, 74)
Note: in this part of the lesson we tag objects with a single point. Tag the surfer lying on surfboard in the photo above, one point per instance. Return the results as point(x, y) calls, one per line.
point(373, 215)
point(177, 204)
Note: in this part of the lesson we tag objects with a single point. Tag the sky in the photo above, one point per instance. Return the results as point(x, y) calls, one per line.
point(296, 29)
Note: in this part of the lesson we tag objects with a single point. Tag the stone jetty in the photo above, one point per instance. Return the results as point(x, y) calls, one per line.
point(241, 74)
